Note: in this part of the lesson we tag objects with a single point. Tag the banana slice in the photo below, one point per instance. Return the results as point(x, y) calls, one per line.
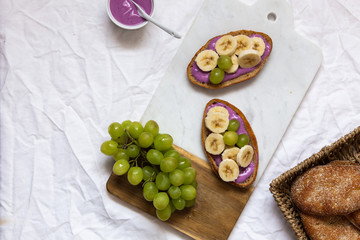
point(249, 58)
point(214, 143)
point(245, 156)
point(207, 60)
point(226, 45)
point(230, 153)
point(258, 45)
point(243, 43)
point(217, 122)
point(235, 65)
point(228, 170)
point(218, 109)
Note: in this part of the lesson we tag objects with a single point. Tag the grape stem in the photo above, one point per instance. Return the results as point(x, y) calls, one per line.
point(125, 146)
point(133, 140)
point(132, 161)
point(146, 181)
point(143, 153)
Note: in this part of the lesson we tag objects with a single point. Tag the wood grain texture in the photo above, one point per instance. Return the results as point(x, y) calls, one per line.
point(217, 208)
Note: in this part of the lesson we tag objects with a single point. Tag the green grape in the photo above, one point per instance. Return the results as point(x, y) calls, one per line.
point(179, 203)
point(243, 140)
point(230, 138)
point(164, 214)
point(135, 175)
point(176, 177)
point(115, 130)
point(188, 192)
point(171, 148)
point(126, 124)
point(163, 142)
point(135, 129)
point(233, 125)
point(133, 151)
point(145, 139)
point(189, 203)
point(149, 191)
point(168, 164)
point(224, 62)
point(172, 153)
point(162, 181)
point(154, 156)
point(121, 154)
point(152, 127)
point(216, 75)
point(194, 183)
point(121, 167)
point(172, 207)
point(109, 147)
point(184, 162)
point(122, 139)
point(189, 175)
point(174, 192)
point(161, 200)
point(149, 173)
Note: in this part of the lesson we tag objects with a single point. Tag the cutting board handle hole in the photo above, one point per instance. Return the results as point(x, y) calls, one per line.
point(271, 17)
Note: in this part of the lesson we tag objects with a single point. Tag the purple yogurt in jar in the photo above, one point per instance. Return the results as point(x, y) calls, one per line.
point(124, 13)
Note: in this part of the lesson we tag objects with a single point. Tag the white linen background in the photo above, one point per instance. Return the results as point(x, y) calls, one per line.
point(67, 72)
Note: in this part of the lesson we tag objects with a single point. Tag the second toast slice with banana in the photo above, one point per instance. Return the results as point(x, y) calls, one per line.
point(229, 143)
point(229, 59)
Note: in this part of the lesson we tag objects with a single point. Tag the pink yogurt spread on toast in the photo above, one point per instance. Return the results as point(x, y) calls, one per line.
point(245, 173)
point(203, 77)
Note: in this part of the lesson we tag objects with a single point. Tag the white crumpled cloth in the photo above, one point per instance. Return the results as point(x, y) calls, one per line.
point(67, 72)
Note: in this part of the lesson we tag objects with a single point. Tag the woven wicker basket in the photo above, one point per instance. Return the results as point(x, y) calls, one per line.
point(346, 148)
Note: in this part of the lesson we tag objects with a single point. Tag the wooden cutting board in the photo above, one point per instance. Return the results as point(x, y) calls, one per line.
point(217, 208)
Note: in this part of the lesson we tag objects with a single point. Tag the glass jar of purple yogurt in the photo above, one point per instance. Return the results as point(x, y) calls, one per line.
point(125, 15)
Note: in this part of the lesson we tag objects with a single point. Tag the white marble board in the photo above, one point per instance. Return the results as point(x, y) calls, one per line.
point(268, 101)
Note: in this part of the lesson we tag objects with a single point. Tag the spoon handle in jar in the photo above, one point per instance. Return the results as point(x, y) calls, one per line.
point(150, 19)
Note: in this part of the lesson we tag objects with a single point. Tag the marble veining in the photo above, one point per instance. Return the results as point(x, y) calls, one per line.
point(268, 101)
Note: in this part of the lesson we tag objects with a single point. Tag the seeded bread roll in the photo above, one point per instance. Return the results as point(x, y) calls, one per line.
point(235, 80)
point(353, 217)
point(205, 132)
point(328, 190)
point(329, 227)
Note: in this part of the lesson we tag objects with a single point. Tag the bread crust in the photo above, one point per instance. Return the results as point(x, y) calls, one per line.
point(329, 227)
point(205, 132)
point(235, 80)
point(353, 217)
point(328, 190)
point(342, 162)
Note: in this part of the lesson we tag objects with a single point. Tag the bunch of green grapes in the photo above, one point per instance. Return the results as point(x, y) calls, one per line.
point(148, 158)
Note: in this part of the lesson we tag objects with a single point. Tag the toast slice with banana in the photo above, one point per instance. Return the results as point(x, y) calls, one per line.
point(229, 59)
point(229, 143)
